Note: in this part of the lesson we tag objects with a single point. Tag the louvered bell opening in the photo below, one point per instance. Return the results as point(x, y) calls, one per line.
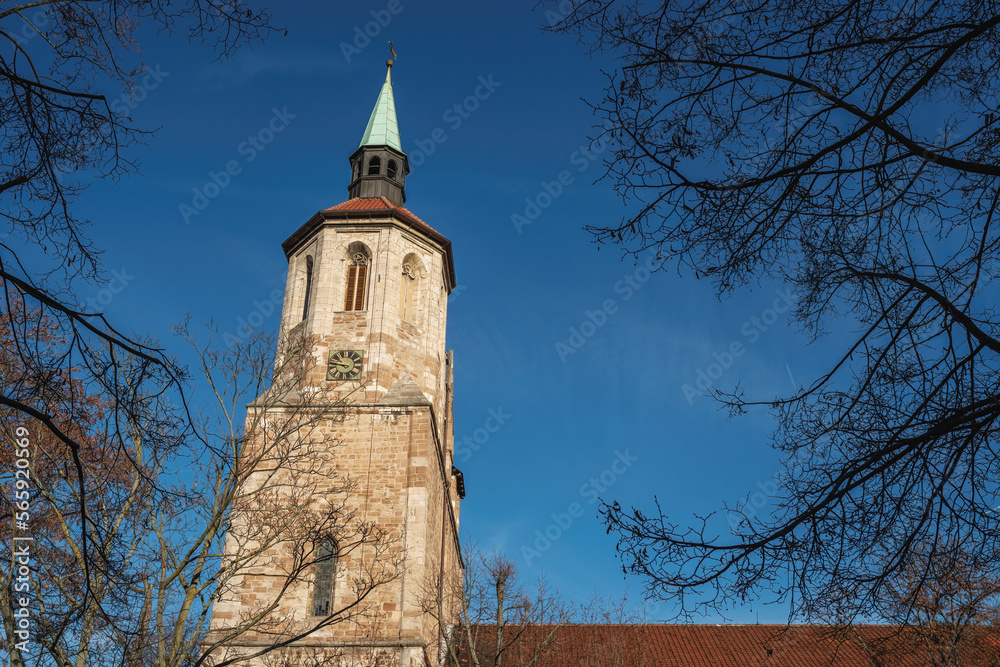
point(352, 278)
point(355, 299)
point(359, 288)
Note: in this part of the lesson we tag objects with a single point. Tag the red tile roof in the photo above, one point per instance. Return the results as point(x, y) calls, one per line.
point(375, 204)
point(371, 205)
point(730, 646)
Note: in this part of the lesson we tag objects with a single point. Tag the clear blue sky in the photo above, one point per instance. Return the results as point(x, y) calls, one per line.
point(521, 291)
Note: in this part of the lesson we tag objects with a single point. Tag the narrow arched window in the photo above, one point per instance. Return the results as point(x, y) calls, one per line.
point(309, 285)
point(357, 276)
point(325, 569)
point(390, 169)
point(374, 166)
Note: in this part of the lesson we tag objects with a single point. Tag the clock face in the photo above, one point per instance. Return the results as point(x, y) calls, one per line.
point(344, 365)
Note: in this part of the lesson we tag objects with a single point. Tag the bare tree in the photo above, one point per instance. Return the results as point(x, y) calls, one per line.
point(490, 618)
point(261, 498)
point(848, 148)
point(612, 634)
point(77, 597)
point(57, 127)
point(244, 493)
point(107, 411)
point(943, 608)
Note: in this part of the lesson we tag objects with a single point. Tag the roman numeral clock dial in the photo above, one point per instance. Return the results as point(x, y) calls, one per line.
point(344, 365)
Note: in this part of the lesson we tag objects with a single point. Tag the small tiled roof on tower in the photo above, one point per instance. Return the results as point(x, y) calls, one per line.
point(376, 204)
point(358, 208)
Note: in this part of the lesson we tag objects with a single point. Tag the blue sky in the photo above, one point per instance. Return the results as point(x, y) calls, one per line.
point(615, 406)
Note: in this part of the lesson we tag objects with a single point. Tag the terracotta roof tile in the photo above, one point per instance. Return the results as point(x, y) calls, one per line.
point(371, 205)
point(376, 204)
point(726, 646)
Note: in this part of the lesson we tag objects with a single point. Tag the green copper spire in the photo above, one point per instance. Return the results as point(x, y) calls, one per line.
point(379, 165)
point(383, 130)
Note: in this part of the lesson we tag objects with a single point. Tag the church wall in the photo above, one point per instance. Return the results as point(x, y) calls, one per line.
point(392, 454)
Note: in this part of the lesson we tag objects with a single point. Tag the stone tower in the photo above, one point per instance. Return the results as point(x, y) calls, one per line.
point(367, 288)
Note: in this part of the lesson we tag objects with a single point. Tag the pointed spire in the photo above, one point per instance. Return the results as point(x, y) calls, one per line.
point(379, 165)
point(383, 130)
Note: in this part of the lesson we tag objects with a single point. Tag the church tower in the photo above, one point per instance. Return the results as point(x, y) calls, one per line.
point(366, 296)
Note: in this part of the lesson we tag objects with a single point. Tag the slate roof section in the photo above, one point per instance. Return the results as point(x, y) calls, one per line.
point(383, 129)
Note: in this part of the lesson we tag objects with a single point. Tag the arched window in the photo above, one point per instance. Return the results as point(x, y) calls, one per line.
point(325, 569)
point(391, 169)
point(357, 277)
point(374, 166)
point(409, 288)
point(309, 285)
